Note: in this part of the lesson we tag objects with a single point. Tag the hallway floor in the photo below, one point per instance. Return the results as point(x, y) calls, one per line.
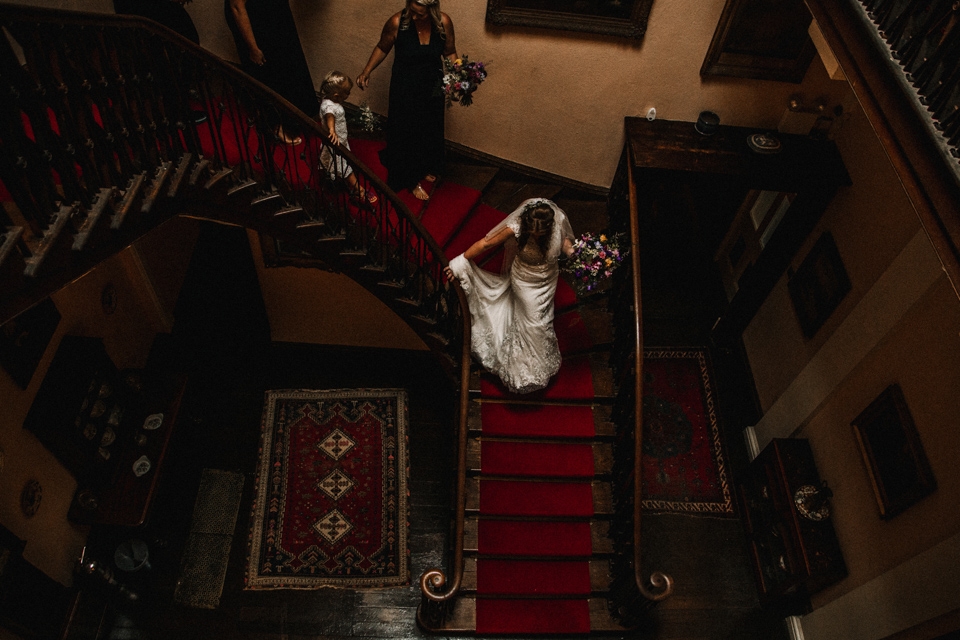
point(221, 339)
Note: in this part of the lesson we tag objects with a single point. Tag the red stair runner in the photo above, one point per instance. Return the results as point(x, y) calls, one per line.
point(536, 420)
point(523, 538)
point(572, 334)
point(522, 556)
point(443, 215)
point(533, 577)
point(534, 459)
point(512, 498)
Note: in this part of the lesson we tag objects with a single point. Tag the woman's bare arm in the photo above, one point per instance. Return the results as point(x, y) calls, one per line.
point(483, 245)
point(450, 44)
point(387, 37)
point(238, 8)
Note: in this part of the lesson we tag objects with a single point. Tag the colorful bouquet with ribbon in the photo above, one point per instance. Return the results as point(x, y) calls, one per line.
point(594, 260)
point(460, 79)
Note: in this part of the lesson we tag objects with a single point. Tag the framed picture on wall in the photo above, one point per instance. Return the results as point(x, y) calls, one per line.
point(624, 18)
point(892, 453)
point(24, 339)
point(818, 285)
point(762, 40)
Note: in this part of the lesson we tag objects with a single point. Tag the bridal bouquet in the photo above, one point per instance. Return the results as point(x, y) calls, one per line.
point(460, 79)
point(594, 259)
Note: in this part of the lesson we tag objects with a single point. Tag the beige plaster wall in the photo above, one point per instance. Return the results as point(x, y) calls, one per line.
point(920, 354)
point(554, 100)
point(877, 233)
point(319, 307)
point(871, 221)
point(53, 543)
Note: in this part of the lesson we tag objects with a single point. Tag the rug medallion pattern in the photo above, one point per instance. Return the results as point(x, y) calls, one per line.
point(330, 502)
point(683, 463)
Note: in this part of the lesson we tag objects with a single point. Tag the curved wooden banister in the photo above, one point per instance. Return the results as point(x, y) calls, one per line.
point(658, 580)
point(434, 603)
point(903, 123)
point(387, 235)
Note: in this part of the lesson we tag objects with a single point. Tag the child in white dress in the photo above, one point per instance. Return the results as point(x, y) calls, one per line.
point(335, 89)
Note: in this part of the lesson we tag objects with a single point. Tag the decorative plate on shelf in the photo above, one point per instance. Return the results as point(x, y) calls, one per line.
point(141, 466)
point(763, 143)
point(153, 421)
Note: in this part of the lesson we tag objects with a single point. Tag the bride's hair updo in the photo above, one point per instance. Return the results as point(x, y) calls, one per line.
point(536, 219)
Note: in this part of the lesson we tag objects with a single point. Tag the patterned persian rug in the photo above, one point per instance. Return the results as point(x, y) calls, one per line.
point(683, 465)
point(330, 502)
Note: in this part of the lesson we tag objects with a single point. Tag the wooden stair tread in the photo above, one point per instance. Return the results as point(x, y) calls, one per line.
point(602, 453)
point(601, 495)
point(600, 542)
point(599, 572)
point(462, 619)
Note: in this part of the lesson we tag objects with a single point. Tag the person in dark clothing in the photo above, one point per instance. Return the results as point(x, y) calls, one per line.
point(173, 15)
point(169, 13)
point(423, 35)
point(270, 50)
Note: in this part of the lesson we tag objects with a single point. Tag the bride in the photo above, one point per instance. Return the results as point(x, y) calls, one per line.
point(512, 314)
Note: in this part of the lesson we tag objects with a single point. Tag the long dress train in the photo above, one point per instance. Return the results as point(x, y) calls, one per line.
point(511, 315)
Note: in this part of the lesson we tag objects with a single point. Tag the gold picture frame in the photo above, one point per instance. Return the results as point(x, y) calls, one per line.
point(893, 454)
point(626, 19)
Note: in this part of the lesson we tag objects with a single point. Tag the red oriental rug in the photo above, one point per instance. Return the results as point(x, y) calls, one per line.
point(330, 501)
point(683, 465)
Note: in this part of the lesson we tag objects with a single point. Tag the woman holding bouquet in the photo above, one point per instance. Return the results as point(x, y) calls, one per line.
point(422, 35)
point(512, 314)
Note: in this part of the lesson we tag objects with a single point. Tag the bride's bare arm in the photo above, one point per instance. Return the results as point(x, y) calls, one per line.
point(483, 245)
point(568, 247)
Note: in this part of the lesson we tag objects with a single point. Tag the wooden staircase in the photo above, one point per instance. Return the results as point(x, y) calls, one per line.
point(144, 159)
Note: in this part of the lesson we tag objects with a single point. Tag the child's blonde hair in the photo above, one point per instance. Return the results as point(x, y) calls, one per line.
point(334, 81)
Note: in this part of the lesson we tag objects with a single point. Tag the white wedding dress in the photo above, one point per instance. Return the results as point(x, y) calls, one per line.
point(512, 314)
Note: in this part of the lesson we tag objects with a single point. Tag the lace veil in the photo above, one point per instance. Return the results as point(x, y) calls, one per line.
point(561, 230)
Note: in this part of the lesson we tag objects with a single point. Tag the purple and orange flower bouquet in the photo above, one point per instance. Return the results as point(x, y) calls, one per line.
point(594, 260)
point(460, 79)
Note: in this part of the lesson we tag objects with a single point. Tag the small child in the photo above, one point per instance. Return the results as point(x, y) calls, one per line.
point(335, 89)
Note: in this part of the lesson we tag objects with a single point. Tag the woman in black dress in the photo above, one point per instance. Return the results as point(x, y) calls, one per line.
point(422, 35)
point(269, 48)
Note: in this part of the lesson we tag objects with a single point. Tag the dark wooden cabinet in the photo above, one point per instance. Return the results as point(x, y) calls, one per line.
point(109, 428)
point(794, 555)
point(744, 212)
